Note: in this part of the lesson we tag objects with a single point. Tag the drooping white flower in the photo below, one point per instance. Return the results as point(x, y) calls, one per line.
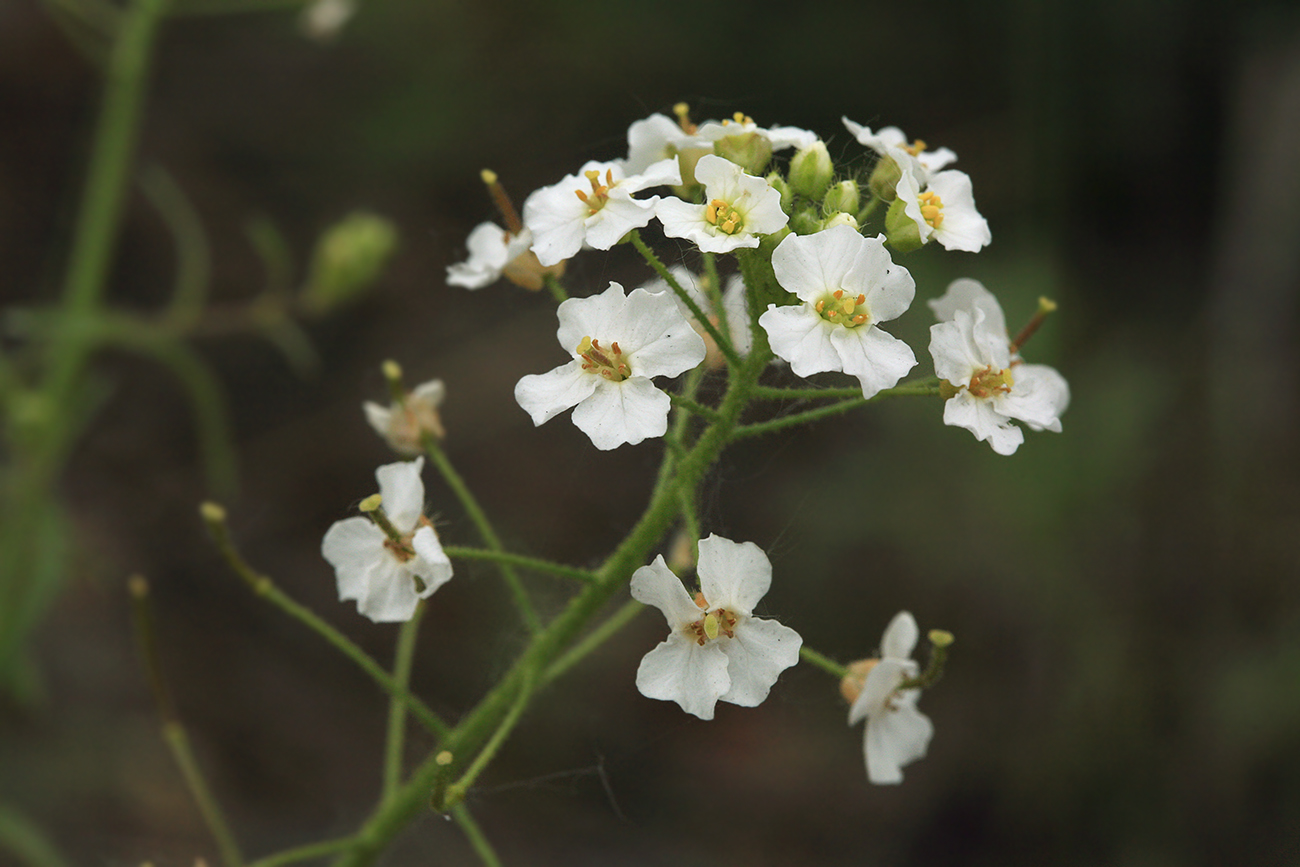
point(594, 207)
point(944, 210)
point(739, 207)
point(495, 253)
point(848, 285)
point(891, 142)
point(619, 342)
point(659, 137)
point(388, 577)
point(403, 425)
point(897, 733)
point(734, 310)
point(992, 386)
point(716, 649)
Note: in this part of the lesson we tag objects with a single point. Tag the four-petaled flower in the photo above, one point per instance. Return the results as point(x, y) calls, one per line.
point(495, 253)
point(896, 733)
point(738, 208)
point(619, 342)
point(389, 576)
point(945, 210)
point(594, 207)
point(848, 284)
point(716, 650)
point(890, 142)
point(989, 385)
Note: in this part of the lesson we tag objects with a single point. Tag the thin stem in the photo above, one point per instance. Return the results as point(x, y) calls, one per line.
point(691, 406)
point(264, 587)
point(825, 663)
point(608, 627)
point(484, 526)
point(456, 791)
point(477, 840)
point(304, 853)
point(193, 255)
point(531, 563)
point(776, 424)
point(179, 742)
point(397, 706)
point(556, 288)
point(724, 344)
point(767, 392)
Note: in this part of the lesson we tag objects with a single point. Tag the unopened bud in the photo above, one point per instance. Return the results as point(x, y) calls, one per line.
point(783, 187)
point(840, 219)
point(811, 170)
point(904, 235)
point(751, 151)
point(884, 179)
point(844, 196)
point(349, 256)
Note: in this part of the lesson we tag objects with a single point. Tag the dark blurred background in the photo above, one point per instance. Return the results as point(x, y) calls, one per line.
point(1125, 687)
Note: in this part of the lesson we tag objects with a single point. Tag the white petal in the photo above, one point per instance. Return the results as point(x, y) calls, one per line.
point(622, 412)
point(1038, 398)
point(877, 359)
point(979, 416)
point(956, 356)
point(595, 316)
point(800, 336)
point(657, 585)
point(733, 575)
point(759, 652)
point(545, 395)
point(488, 254)
point(889, 287)
point(390, 594)
point(377, 416)
point(353, 546)
point(811, 266)
point(620, 215)
point(880, 684)
point(555, 217)
point(431, 563)
point(402, 492)
point(895, 738)
point(658, 339)
point(962, 228)
point(900, 636)
point(665, 172)
point(681, 670)
point(966, 294)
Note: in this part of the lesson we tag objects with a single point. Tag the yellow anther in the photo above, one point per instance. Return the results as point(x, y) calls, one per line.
point(837, 294)
point(819, 306)
point(862, 299)
point(847, 305)
point(931, 208)
point(489, 177)
point(842, 308)
point(859, 319)
point(683, 112)
point(726, 218)
point(915, 147)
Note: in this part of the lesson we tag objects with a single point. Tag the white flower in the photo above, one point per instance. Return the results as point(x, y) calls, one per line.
point(739, 208)
point(945, 210)
point(891, 142)
point(896, 733)
point(618, 343)
point(388, 578)
point(403, 426)
point(848, 284)
point(594, 207)
point(716, 649)
point(494, 253)
point(778, 137)
point(973, 354)
point(658, 137)
point(734, 309)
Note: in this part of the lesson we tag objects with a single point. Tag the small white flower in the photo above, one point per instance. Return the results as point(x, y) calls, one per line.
point(848, 285)
point(618, 343)
point(897, 733)
point(716, 649)
point(891, 142)
point(403, 426)
point(594, 207)
point(734, 309)
point(945, 210)
point(778, 137)
point(492, 252)
point(973, 354)
point(739, 207)
point(658, 137)
point(388, 578)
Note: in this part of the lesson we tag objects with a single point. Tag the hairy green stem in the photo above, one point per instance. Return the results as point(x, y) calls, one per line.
point(776, 424)
point(303, 853)
point(825, 663)
point(393, 747)
point(533, 564)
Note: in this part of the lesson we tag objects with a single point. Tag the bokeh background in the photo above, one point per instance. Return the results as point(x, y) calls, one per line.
point(1125, 687)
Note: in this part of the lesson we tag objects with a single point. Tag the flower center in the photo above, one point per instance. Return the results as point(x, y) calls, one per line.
point(843, 309)
point(717, 622)
point(915, 147)
point(739, 117)
point(603, 361)
point(986, 382)
point(728, 220)
point(599, 195)
point(931, 208)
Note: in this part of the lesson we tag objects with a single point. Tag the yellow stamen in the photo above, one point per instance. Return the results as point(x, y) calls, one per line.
point(931, 208)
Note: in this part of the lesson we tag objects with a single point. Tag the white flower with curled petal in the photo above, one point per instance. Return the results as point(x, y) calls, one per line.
point(945, 210)
point(778, 137)
point(388, 577)
point(659, 137)
point(619, 342)
point(848, 285)
point(594, 207)
point(891, 142)
point(738, 208)
point(495, 253)
point(716, 649)
point(987, 384)
point(897, 733)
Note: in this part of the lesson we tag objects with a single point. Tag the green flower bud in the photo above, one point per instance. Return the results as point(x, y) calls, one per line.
point(349, 256)
point(839, 218)
point(751, 151)
point(811, 170)
point(783, 187)
point(884, 179)
point(903, 233)
point(844, 196)
point(806, 222)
